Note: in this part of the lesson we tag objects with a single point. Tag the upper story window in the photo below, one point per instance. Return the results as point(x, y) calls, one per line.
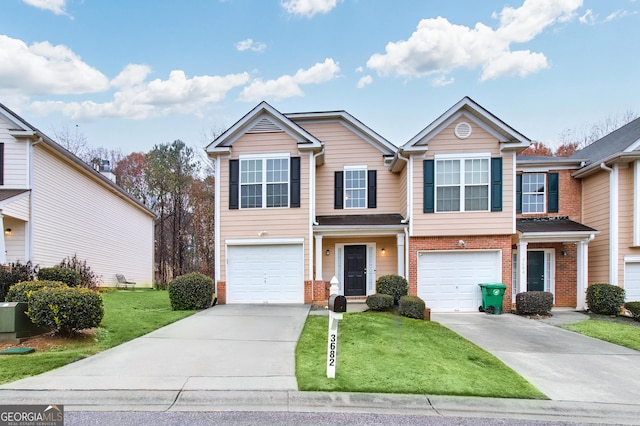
point(355, 188)
point(462, 184)
point(533, 192)
point(264, 182)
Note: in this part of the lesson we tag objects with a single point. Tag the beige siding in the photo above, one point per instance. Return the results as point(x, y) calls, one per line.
point(595, 213)
point(404, 192)
point(345, 148)
point(16, 242)
point(273, 223)
point(73, 213)
point(18, 209)
point(463, 223)
point(625, 219)
point(15, 159)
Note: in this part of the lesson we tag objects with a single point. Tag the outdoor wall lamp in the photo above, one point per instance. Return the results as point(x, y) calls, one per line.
point(7, 231)
point(462, 244)
point(383, 250)
point(327, 252)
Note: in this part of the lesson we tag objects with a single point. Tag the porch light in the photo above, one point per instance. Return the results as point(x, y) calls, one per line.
point(383, 250)
point(327, 252)
point(7, 231)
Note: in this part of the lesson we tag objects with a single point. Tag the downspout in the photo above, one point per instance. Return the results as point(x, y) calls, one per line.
point(30, 178)
point(312, 212)
point(613, 222)
point(409, 207)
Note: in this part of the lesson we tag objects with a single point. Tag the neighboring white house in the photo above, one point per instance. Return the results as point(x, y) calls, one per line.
point(53, 205)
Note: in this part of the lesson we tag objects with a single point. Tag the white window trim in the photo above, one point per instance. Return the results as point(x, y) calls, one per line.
point(544, 194)
point(344, 186)
point(462, 185)
point(264, 157)
point(371, 266)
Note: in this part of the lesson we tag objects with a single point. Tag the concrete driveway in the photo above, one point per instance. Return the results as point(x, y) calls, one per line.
point(227, 347)
point(564, 365)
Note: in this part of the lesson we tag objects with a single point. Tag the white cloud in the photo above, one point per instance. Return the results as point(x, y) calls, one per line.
point(249, 44)
point(439, 47)
point(56, 6)
point(139, 99)
point(618, 14)
point(588, 17)
point(44, 69)
point(308, 8)
point(288, 86)
point(365, 81)
point(441, 81)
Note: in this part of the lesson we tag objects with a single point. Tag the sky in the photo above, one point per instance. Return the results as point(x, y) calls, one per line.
point(130, 75)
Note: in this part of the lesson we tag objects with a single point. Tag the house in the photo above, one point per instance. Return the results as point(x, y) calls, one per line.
point(610, 178)
point(53, 206)
point(304, 197)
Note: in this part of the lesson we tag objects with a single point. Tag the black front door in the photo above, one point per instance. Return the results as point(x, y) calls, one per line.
point(355, 270)
point(535, 271)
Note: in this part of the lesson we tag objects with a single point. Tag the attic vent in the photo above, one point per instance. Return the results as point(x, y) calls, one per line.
point(463, 130)
point(264, 125)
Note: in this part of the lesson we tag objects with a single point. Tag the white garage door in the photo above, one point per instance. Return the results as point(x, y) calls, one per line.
point(265, 274)
point(632, 282)
point(448, 281)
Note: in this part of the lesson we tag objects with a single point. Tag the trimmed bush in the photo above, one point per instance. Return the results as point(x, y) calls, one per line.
point(70, 277)
point(412, 307)
point(15, 273)
point(534, 303)
point(191, 291)
point(65, 309)
point(634, 308)
point(88, 278)
point(380, 302)
point(393, 285)
point(20, 292)
point(605, 299)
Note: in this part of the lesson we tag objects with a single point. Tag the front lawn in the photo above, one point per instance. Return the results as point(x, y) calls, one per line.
point(127, 315)
point(385, 353)
point(620, 334)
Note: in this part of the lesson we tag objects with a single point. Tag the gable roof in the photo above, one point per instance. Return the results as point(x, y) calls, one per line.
point(262, 118)
point(619, 144)
point(473, 111)
point(25, 130)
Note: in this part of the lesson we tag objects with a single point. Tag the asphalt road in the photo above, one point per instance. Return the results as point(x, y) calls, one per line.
point(231, 418)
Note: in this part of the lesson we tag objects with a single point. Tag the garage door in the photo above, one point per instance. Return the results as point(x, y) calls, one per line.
point(265, 274)
point(632, 282)
point(448, 281)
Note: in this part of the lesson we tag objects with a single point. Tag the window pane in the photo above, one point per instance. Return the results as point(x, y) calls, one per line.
point(476, 171)
point(533, 192)
point(277, 170)
point(448, 199)
point(355, 183)
point(250, 171)
point(277, 195)
point(476, 198)
point(448, 172)
point(250, 196)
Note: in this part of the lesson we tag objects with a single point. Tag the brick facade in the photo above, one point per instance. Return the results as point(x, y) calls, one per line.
point(221, 292)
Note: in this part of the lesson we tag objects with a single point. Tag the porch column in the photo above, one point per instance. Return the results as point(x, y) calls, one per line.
point(522, 267)
point(3, 245)
point(582, 274)
point(319, 258)
point(400, 239)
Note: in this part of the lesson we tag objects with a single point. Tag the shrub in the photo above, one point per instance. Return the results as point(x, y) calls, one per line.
point(534, 302)
point(191, 291)
point(394, 285)
point(412, 307)
point(15, 273)
point(379, 302)
point(20, 292)
point(88, 279)
point(634, 308)
point(65, 309)
point(70, 277)
point(605, 299)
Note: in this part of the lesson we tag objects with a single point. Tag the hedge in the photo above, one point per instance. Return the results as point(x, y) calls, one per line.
point(394, 285)
point(20, 292)
point(191, 291)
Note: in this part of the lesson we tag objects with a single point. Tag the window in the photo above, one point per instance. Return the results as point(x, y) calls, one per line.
point(533, 192)
point(462, 185)
point(264, 182)
point(355, 188)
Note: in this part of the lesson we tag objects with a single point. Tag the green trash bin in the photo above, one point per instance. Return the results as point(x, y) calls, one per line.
point(492, 295)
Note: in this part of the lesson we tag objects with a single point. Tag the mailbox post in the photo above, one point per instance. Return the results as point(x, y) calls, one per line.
point(337, 305)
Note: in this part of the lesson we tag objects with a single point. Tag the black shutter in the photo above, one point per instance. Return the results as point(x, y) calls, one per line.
point(496, 184)
point(552, 193)
point(338, 189)
point(428, 189)
point(371, 189)
point(1, 163)
point(518, 193)
point(295, 182)
point(234, 184)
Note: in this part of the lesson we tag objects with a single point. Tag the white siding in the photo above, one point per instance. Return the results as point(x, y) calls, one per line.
point(15, 242)
point(15, 159)
point(18, 209)
point(75, 213)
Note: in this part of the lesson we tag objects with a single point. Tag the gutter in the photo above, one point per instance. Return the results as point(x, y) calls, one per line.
point(613, 221)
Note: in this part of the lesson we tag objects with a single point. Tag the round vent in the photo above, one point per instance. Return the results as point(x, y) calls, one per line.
point(463, 130)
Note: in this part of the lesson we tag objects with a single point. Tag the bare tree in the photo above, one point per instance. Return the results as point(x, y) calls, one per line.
point(581, 137)
point(73, 141)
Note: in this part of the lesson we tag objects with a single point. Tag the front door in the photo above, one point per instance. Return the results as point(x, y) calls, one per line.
point(355, 270)
point(535, 271)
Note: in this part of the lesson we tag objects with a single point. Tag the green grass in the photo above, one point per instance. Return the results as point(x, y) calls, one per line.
point(380, 352)
point(620, 334)
point(128, 314)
